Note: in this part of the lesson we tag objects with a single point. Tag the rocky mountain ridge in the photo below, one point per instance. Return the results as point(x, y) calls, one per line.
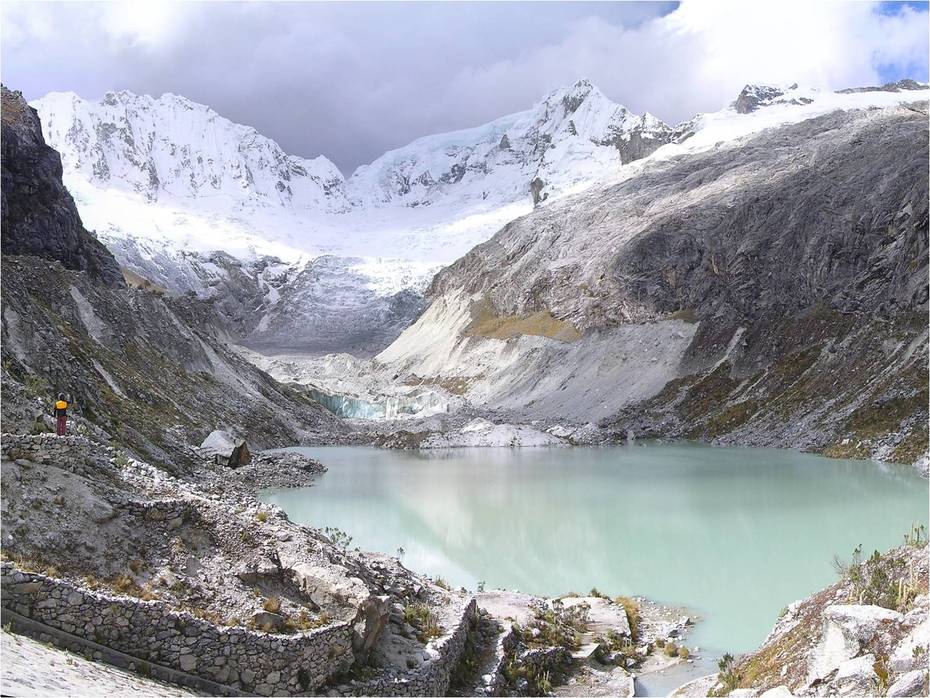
point(38, 214)
point(168, 183)
point(717, 296)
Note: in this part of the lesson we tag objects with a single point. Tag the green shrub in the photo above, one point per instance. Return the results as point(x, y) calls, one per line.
point(882, 580)
point(339, 537)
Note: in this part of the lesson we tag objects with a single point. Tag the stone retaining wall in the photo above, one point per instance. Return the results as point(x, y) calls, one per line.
point(248, 660)
point(431, 679)
point(74, 453)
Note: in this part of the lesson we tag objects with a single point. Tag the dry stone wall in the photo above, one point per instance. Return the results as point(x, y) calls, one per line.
point(433, 677)
point(247, 660)
point(75, 453)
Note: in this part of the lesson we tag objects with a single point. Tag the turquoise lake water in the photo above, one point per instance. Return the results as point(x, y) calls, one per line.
point(733, 534)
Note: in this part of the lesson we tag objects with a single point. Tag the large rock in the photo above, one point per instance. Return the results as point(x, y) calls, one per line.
point(914, 649)
point(37, 214)
point(846, 628)
point(225, 448)
point(913, 683)
point(859, 623)
point(856, 676)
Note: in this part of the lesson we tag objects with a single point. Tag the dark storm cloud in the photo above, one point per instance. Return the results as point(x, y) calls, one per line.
point(351, 80)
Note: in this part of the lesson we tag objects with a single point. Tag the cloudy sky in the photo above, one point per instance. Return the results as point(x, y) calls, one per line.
point(351, 80)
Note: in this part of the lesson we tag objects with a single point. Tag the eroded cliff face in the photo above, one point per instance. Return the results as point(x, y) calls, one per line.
point(151, 372)
point(772, 291)
point(38, 214)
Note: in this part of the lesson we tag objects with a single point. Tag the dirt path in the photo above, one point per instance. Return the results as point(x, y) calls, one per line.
point(30, 668)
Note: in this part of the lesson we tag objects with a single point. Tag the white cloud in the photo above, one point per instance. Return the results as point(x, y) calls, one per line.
point(351, 80)
point(150, 25)
point(699, 57)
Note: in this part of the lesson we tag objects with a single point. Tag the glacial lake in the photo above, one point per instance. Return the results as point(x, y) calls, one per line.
point(733, 534)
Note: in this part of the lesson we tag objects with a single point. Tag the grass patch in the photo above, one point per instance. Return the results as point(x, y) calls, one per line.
point(423, 620)
point(685, 315)
point(485, 322)
point(912, 446)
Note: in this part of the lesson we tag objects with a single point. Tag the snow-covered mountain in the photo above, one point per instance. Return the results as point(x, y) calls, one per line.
point(172, 148)
point(167, 183)
point(172, 170)
point(574, 135)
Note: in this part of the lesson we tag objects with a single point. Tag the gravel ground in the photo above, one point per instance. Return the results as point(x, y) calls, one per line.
point(30, 668)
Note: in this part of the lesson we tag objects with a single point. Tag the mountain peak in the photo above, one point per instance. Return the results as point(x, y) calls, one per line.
point(754, 96)
point(572, 96)
point(175, 147)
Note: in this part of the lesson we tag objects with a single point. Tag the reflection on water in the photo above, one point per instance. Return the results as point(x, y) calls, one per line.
point(733, 534)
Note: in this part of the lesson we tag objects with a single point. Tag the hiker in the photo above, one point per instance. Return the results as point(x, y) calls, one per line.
point(61, 414)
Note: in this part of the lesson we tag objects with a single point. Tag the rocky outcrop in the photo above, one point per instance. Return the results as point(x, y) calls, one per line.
point(868, 634)
point(38, 214)
point(906, 84)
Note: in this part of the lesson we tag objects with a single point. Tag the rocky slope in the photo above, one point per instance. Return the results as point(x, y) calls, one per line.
point(38, 214)
point(196, 582)
point(204, 571)
point(868, 634)
point(149, 371)
point(746, 293)
point(152, 372)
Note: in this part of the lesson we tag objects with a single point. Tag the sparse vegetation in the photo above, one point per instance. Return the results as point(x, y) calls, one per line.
point(36, 386)
point(882, 580)
point(728, 674)
point(486, 322)
point(880, 667)
point(916, 537)
point(338, 537)
point(423, 620)
point(272, 604)
point(619, 645)
point(555, 626)
point(304, 621)
point(261, 516)
point(539, 681)
point(633, 613)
